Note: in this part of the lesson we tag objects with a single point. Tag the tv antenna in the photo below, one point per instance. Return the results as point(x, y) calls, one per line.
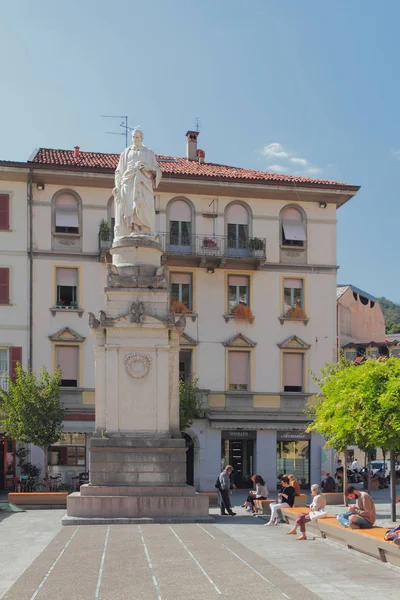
point(197, 124)
point(124, 125)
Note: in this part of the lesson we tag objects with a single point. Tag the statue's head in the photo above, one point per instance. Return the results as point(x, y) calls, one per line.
point(137, 137)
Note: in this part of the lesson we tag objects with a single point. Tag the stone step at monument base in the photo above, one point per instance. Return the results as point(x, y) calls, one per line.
point(137, 490)
point(187, 508)
point(135, 521)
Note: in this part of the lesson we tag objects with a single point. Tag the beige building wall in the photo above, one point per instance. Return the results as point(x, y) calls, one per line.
point(359, 322)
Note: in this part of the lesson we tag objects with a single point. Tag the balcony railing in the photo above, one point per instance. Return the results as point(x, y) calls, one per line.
point(203, 246)
point(212, 246)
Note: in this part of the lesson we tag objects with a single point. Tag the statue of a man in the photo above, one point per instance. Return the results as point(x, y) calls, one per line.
point(136, 178)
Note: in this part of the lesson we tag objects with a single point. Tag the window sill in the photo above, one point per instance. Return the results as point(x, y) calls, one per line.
point(282, 319)
point(300, 248)
point(66, 388)
point(57, 309)
point(70, 235)
point(189, 315)
point(231, 317)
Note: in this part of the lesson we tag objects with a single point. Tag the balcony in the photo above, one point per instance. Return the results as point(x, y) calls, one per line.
point(212, 250)
point(206, 250)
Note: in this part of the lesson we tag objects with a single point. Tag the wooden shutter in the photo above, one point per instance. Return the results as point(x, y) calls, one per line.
point(15, 357)
point(4, 286)
point(4, 212)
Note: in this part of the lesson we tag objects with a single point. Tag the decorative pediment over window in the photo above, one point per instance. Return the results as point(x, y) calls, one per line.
point(239, 341)
point(66, 335)
point(186, 340)
point(294, 342)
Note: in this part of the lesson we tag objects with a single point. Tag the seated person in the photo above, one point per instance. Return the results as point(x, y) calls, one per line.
point(328, 484)
point(260, 493)
point(317, 511)
point(393, 535)
point(294, 483)
point(380, 476)
point(285, 500)
point(360, 516)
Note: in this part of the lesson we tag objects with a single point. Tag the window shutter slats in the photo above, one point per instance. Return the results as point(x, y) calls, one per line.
point(15, 357)
point(4, 286)
point(4, 212)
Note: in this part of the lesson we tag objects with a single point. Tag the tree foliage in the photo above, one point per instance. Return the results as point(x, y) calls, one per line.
point(358, 405)
point(31, 408)
point(190, 405)
point(391, 312)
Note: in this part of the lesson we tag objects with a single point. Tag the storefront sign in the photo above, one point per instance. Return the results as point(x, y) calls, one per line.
point(239, 435)
point(293, 436)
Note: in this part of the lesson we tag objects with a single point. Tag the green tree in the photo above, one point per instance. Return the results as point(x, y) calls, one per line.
point(31, 408)
point(358, 405)
point(190, 405)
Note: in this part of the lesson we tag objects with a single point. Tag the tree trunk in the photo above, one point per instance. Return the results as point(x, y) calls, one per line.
point(345, 499)
point(393, 485)
point(368, 471)
point(46, 466)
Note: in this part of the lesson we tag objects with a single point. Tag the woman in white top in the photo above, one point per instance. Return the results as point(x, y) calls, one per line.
point(260, 493)
point(317, 511)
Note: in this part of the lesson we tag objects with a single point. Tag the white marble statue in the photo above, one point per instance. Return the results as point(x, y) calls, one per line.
point(136, 178)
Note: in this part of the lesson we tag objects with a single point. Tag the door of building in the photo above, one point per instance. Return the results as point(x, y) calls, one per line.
point(185, 364)
point(7, 463)
point(237, 449)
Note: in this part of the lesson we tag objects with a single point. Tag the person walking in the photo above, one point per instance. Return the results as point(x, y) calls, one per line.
point(360, 516)
point(224, 491)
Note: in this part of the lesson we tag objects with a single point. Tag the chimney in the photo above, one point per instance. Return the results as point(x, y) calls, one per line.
point(201, 156)
point(76, 151)
point(191, 145)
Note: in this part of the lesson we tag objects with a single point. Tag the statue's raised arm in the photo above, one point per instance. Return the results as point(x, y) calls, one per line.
point(136, 177)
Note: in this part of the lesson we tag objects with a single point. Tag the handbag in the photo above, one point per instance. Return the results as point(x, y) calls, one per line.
point(317, 514)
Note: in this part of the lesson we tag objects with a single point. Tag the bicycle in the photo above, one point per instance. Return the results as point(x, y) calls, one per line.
point(54, 484)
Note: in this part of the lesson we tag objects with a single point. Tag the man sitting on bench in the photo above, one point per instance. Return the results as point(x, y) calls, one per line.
point(360, 516)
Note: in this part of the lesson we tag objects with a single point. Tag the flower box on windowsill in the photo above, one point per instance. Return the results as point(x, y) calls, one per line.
point(74, 309)
point(284, 318)
point(231, 317)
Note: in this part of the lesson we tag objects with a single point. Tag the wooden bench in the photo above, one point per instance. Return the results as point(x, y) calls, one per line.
point(367, 541)
point(263, 506)
point(333, 497)
point(38, 498)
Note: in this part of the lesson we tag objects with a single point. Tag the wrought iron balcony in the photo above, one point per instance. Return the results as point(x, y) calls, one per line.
point(204, 249)
point(207, 247)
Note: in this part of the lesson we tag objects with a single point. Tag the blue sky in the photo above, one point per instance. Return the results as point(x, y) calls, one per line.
point(319, 80)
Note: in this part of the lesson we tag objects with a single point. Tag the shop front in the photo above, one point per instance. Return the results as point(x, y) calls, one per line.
point(69, 457)
point(293, 455)
point(237, 449)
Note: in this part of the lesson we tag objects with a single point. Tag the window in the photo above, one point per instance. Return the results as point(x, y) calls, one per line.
point(293, 228)
point(111, 216)
point(180, 224)
point(238, 370)
point(351, 354)
point(70, 450)
point(373, 353)
point(292, 372)
point(238, 291)
point(292, 294)
point(67, 287)
point(238, 227)
point(66, 214)
point(67, 360)
point(4, 368)
point(181, 288)
point(4, 212)
point(4, 285)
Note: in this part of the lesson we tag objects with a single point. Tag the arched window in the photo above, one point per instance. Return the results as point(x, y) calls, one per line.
point(111, 215)
point(180, 225)
point(293, 227)
point(66, 213)
point(237, 228)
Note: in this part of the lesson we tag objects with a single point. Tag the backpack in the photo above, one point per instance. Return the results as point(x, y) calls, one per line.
point(218, 483)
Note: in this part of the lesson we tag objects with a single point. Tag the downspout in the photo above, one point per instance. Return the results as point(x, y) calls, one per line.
point(30, 354)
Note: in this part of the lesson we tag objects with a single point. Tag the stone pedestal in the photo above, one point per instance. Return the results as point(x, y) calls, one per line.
point(137, 455)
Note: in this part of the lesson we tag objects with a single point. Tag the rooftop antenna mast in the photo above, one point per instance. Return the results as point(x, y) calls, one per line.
point(124, 125)
point(197, 124)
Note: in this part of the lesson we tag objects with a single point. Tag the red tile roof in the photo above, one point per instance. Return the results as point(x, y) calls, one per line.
point(173, 166)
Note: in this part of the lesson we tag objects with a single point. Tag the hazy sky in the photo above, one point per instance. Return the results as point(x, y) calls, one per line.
point(300, 86)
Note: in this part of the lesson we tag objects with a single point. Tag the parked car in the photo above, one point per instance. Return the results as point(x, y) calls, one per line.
point(379, 464)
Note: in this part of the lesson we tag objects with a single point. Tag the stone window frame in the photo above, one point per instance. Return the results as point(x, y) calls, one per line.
point(192, 212)
point(304, 221)
point(53, 214)
point(249, 213)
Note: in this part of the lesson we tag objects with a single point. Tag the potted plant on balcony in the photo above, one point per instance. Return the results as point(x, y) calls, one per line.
point(209, 243)
point(105, 234)
point(241, 312)
point(256, 246)
point(60, 304)
point(73, 305)
point(179, 307)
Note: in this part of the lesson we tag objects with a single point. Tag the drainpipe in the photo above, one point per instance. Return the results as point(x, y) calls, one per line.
point(30, 354)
